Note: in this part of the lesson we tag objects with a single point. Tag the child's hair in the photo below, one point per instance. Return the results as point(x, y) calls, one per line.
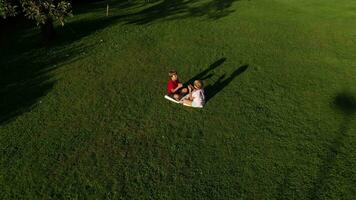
point(171, 73)
point(198, 84)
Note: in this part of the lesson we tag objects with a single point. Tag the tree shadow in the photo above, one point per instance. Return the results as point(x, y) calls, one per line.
point(139, 13)
point(136, 12)
point(181, 9)
point(213, 10)
point(346, 104)
point(25, 76)
point(165, 8)
point(158, 10)
point(152, 11)
point(77, 30)
point(222, 82)
point(83, 6)
point(25, 66)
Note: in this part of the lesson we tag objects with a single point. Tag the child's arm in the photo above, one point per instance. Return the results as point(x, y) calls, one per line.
point(177, 88)
point(190, 92)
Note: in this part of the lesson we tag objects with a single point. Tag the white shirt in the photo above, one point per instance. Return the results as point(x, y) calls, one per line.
point(198, 98)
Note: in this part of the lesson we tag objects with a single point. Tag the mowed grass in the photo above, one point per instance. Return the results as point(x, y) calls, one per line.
point(86, 118)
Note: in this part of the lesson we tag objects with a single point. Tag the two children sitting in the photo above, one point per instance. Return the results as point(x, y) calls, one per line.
point(177, 91)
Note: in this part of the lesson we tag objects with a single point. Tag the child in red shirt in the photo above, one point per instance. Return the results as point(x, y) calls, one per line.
point(174, 87)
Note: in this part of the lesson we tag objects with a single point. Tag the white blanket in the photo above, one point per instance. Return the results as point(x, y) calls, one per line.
point(180, 101)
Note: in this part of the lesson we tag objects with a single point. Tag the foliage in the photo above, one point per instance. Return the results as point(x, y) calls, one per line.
point(39, 10)
point(7, 9)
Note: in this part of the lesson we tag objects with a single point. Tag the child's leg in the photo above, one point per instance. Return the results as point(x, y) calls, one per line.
point(184, 91)
point(188, 102)
point(184, 97)
point(176, 96)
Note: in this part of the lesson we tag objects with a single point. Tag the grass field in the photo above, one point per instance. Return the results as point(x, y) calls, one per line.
point(86, 118)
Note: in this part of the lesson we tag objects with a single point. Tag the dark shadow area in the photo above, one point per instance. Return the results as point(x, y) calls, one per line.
point(77, 30)
point(130, 12)
point(346, 104)
point(84, 6)
point(25, 69)
point(25, 65)
point(180, 9)
point(222, 82)
point(164, 9)
point(213, 9)
point(211, 90)
point(137, 12)
point(17, 36)
point(148, 11)
point(152, 11)
point(203, 74)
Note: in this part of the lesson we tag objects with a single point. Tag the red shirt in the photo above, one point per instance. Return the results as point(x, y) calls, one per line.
point(171, 86)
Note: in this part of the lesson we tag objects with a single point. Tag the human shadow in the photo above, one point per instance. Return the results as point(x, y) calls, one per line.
point(222, 82)
point(344, 103)
point(203, 75)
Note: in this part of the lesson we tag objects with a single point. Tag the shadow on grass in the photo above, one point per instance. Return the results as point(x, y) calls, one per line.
point(25, 73)
point(203, 74)
point(222, 82)
point(139, 13)
point(346, 104)
point(180, 9)
point(211, 90)
point(136, 12)
point(25, 66)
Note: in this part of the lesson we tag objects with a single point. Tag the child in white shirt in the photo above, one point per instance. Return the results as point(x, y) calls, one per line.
point(196, 96)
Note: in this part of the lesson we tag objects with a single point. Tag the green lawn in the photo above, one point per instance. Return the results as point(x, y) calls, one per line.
point(86, 118)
